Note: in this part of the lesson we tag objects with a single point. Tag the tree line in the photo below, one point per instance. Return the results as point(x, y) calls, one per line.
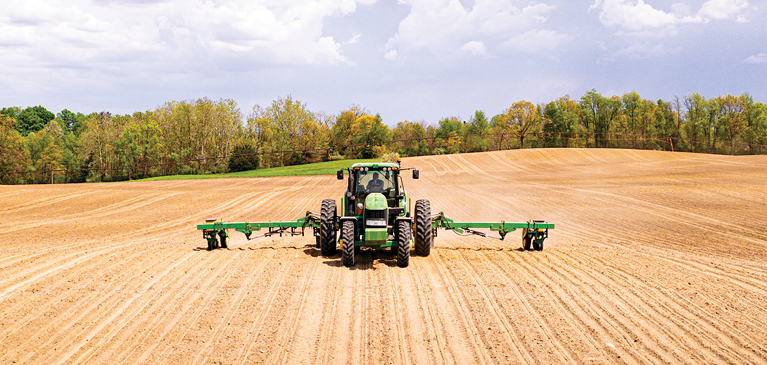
point(205, 136)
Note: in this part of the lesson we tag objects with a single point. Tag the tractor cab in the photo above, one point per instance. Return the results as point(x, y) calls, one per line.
point(374, 186)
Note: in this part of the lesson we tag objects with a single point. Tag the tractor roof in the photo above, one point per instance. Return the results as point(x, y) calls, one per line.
point(375, 165)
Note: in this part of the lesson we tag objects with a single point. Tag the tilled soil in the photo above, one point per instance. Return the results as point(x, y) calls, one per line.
point(657, 257)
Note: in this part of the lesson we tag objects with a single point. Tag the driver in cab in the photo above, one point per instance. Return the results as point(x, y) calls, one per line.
point(375, 185)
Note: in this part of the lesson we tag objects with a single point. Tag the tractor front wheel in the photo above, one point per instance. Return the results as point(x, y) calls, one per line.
point(347, 243)
point(403, 251)
point(424, 240)
point(328, 227)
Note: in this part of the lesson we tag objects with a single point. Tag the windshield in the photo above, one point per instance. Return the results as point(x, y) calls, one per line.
point(376, 182)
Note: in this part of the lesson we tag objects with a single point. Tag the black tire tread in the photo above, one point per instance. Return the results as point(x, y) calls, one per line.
point(347, 246)
point(424, 239)
point(403, 250)
point(328, 228)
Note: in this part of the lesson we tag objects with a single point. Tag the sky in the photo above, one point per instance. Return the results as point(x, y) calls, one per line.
point(415, 60)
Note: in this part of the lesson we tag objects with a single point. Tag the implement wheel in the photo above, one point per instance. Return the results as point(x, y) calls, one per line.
point(537, 246)
point(403, 250)
point(212, 242)
point(527, 241)
point(328, 231)
point(424, 240)
point(222, 238)
point(347, 243)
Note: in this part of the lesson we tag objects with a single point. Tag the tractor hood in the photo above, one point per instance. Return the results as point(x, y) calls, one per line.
point(376, 201)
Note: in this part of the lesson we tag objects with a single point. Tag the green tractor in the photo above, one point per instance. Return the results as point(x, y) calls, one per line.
point(375, 212)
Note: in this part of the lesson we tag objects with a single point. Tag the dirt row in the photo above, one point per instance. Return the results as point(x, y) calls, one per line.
point(657, 257)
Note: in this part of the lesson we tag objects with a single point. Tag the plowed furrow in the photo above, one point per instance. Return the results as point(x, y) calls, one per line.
point(462, 311)
point(199, 305)
point(320, 343)
point(254, 344)
point(159, 322)
point(67, 326)
point(290, 324)
point(691, 321)
point(65, 285)
point(644, 326)
point(512, 341)
point(436, 330)
point(523, 290)
point(232, 306)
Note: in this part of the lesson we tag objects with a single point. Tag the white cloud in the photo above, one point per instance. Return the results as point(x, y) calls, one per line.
point(724, 9)
point(84, 33)
point(760, 58)
point(443, 26)
point(637, 16)
point(535, 41)
point(391, 55)
point(475, 48)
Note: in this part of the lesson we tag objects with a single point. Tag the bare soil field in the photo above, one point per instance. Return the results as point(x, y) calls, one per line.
point(657, 257)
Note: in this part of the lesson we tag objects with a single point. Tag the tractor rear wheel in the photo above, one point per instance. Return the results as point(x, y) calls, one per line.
point(526, 241)
point(328, 227)
point(222, 238)
point(424, 240)
point(403, 250)
point(347, 243)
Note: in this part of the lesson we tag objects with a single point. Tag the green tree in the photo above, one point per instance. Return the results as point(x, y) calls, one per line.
point(599, 115)
point(33, 119)
point(13, 156)
point(244, 157)
point(478, 128)
point(45, 156)
point(733, 117)
point(696, 115)
point(140, 145)
point(756, 132)
point(72, 122)
point(11, 111)
point(449, 135)
point(560, 121)
point(368, 133)
point(411, 139)
point(524, 118)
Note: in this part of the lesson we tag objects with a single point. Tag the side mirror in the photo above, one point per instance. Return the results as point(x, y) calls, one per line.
point(340, 174)
point(416, 174)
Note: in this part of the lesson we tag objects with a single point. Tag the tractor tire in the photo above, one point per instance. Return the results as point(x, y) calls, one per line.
point(212, 243)
point(403, 249)
point(527, 241)
point(424, 240)
point(347, 243)
point(328, 231)
point(222, 238)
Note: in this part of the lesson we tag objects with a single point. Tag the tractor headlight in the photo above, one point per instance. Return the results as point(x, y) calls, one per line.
point(376, 223)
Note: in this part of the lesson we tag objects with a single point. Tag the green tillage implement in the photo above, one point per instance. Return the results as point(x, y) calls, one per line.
point(533, 232)
point(375, 212)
